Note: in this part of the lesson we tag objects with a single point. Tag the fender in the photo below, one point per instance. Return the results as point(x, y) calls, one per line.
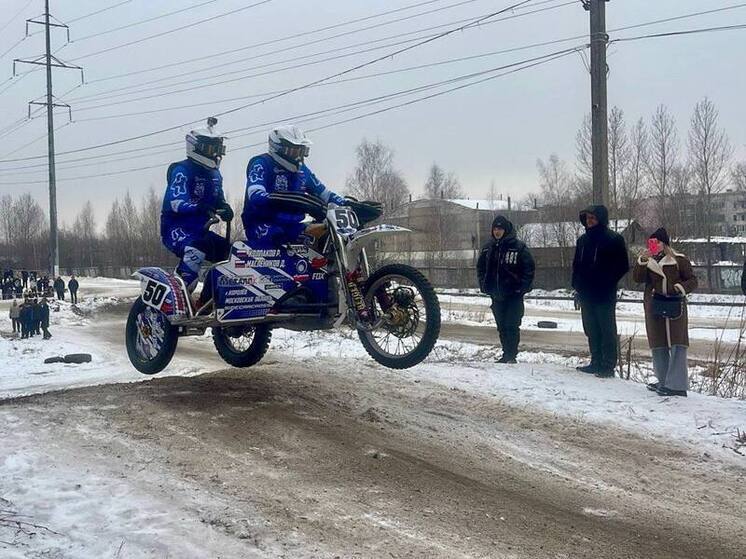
point(366, 236)
point(164, 292)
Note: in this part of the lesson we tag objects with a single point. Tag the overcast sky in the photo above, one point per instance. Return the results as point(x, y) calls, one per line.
point(495, 130)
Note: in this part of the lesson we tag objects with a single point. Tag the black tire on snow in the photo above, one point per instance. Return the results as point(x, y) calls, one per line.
point(252, 355)
point(432, 327)
point(160, 361)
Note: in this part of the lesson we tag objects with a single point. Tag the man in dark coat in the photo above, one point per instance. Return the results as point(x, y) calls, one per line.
point(743, 279)
point(505, 270)
point(600, 261)
point(26, 316)
point(44, 318)
point(73, 286)
point(24, 278)
point(59, 288)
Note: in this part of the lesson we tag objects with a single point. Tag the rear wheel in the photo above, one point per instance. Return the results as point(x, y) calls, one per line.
point(406, 312)
point(242, 346)
point(150, 338)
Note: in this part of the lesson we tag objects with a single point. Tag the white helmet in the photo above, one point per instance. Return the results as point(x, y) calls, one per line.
point(205, 145)
point(288, 145)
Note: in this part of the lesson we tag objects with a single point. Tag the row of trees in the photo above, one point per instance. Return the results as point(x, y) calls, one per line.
point(654, 176)
point(129, 234)
point(376, 178)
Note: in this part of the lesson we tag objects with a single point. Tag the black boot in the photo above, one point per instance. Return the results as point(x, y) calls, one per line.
point(591, 369)
point(663, 391)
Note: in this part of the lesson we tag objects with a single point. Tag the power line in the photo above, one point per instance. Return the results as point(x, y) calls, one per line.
point(13, 17)
point(325, 84)
point(265, 43)
point(102, 10)
point(191, 81)
point(14, 46)
point(473, 23)
point(681, 33)
point(142, 21)
point(339, 109)
point(35, 140)
point(169, 31)
point(547, 58)
point(654, 22)
point(213, 66)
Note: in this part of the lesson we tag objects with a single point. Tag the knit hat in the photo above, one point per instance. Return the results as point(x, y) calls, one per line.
point(662, 235)
point(502, 222)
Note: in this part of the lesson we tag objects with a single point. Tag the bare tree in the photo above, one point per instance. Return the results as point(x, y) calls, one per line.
point(710, 153)
point(619, 160)
point(738, 176)
point(492, 195)
point(375, 178)
point(584, 149)
point(555, 183)
point(663, 156)
point(634, 186)
point(84, 229)
point(440, 184)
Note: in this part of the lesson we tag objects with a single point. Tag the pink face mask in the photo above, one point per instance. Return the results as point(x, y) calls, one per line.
point(654, 246)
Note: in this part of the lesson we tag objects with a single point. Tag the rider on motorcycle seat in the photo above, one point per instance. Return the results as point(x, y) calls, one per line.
point(281, 169)
point(194, 193)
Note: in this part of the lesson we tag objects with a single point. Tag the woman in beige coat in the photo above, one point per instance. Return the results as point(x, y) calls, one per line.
point(668, 273)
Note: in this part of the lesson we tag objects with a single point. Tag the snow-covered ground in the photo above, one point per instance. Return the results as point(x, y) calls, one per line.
point(129, 498)
point(726, 324)
point(542, 380)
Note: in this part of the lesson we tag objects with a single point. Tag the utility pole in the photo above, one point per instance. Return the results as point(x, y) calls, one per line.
point(599, 110)
point(49, 60)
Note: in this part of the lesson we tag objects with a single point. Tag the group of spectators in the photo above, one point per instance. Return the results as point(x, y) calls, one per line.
point(30, 318)
point(505, 270)
point(33, 284)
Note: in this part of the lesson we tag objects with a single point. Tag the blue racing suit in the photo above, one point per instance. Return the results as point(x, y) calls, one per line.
point(266, 228)
point(192, 193)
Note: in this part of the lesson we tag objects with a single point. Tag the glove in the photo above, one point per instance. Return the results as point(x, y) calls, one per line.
point(338, 200)
point(225, 212)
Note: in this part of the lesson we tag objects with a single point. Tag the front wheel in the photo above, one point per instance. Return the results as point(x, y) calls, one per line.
point(150, 338)
point(242, 346)
point(406, 312)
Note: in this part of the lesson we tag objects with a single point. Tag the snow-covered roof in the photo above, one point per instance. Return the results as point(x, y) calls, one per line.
point(561, 233)
point(730, 240)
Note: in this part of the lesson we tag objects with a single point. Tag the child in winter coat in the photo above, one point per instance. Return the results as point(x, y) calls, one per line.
point(666, 272)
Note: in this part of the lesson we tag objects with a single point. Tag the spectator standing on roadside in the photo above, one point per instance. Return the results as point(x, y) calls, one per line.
point(73, 286)
point(25, 317)
point(600, 262)
point(15, 317)
point(44, 318)
point(59, 288)
point(668, 279)
point(505, 270)
point(743, 279)
point(35, 318)
point(24, 278)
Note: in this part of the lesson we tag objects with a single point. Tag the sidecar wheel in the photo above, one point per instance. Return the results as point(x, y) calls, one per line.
point(242, 346)
point(150, 338)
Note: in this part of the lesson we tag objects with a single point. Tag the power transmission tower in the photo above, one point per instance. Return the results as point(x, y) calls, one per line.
point(599, 108)
point(49, 60)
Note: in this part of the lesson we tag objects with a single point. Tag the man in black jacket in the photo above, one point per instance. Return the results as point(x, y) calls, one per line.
point(600, 261)
point(73, 286)
point(506, 273)
point(44, 318)
point(743, 279)
point(59, 287)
